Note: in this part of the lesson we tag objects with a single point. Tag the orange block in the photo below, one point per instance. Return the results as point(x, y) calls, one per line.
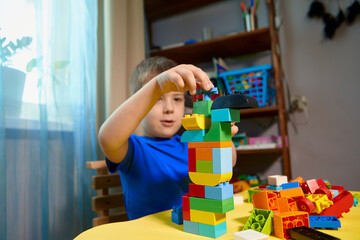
point(222, 144)
point(292, 192)
point(286, 204)
point(286, 220)
point(265, 200)
point(204, 154)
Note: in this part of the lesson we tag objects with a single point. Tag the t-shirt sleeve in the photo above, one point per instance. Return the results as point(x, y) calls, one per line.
point(125, 164)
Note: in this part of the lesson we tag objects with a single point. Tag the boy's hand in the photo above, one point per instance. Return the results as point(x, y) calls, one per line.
point(184, 77)
point(234, 129)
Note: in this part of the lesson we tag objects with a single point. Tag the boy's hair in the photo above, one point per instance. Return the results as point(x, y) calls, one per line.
point(150, 65)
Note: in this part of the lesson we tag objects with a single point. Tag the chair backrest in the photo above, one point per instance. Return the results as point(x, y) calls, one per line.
point(109, 201)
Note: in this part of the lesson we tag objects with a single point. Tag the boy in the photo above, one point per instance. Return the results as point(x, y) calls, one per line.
point(153, 168)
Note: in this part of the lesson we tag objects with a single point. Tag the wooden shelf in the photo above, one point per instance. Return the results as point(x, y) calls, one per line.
point(261, 151)
point(227, 46)
point(259, 112)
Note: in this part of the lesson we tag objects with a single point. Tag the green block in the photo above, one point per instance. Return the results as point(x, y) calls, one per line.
point(204, 166)
point(202, 107)
point(212, 205)
point(219, 131)
point(252, 192)
point(260, 220)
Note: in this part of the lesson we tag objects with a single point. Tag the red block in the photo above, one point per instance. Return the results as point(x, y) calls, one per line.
point(310, 186)
point(342, 203)
point(196, 190)
point(192, 159)
point(186, 207)
point(339, 188)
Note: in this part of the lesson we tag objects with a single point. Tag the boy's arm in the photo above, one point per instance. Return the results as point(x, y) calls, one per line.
point(234, 130)
point(116, 130)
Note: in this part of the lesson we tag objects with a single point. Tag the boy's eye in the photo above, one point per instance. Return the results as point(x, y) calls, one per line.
point(178, 99)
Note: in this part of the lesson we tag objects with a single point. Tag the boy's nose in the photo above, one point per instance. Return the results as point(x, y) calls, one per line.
point(168, 107)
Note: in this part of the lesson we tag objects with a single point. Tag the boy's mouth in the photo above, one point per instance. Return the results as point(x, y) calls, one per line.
point(167, 123)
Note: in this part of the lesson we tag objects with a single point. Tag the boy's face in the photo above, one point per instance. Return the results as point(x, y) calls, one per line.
point(164, 119)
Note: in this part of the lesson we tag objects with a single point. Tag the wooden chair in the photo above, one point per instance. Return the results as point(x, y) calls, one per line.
point(109, 201)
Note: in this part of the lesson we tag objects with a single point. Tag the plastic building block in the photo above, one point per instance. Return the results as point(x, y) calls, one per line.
point(219, 131)
point(203, 107)
point(342, 203)
point(356, 199)
point(250, 235)
point(177, 215)
point(320, 201)
point(339, 188)
point(238, 199)
point(235, 101)
point(219, 192)
point(209, 179)
point(193, 136)
point(324, 190)
point(204, 166)
point(300, 180)
point(277, 180)
point(225, 115)
point(196, 190)
point(198, 97)
point(321, 183)
point(212, 205)
point(186, 207)
point(218, 144)
point(287, 220)
point(324, 222)
point(306, 205)
point(222, 160)
point(265, 200)
point(286, 204)
point(260, 220)
point(207, 217)
point(305, 233)
point(356, 202)
point(334, 192)
point(290, 185)
point(213, 231)
point(191, 227)
point(251, 193)
point(292, 192)
point(195, 122)
point(192, 159)
point(204, 154)
point(273, 187)
point(310, 186)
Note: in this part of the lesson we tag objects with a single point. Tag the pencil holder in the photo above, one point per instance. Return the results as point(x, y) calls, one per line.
point(253, 81)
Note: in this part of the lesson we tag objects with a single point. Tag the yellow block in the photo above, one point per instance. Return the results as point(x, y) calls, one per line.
point(209, 179)
point(222, 144)
point(209, 218)
point(196, 122)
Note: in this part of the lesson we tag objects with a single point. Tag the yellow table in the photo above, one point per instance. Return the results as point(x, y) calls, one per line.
point(159, 226)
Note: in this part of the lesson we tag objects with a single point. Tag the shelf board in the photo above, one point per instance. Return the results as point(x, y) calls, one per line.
point(259, 112)
point(261, 151)
point(226, 46)
point(157, 9)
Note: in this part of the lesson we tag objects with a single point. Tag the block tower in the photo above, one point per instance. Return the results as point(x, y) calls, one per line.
point(208, 133)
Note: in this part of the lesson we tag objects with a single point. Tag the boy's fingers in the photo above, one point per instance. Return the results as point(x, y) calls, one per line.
point(202, 77)
point(188, 79)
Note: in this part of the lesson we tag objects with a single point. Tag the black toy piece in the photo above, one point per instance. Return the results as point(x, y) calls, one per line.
point(236, 100)
point(305, 233)
point(316, 9)
point(352, 11)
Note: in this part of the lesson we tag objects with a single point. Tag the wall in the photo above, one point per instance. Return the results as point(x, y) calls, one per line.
point(327, 144)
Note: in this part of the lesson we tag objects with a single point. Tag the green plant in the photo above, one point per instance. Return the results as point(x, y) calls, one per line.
point(8, 49)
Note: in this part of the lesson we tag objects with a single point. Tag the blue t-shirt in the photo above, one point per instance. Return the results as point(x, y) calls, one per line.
point(154, 174)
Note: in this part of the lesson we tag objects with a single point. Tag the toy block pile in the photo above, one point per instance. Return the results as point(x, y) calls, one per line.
point(208, 133)
point(297, 206)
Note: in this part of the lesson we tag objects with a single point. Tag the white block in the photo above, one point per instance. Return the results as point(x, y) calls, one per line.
point(277, 180)
point(238, 199)
point(250, 235)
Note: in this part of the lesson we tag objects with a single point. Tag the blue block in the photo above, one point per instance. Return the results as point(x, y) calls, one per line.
point(324, 222)
point(191, 227)
point(220, 192)
point(193, 135)
point(356, 202)
point(213, 231)
point(273, 187)
point(225, 115)
point(290, 185)
point(336, 192)
point(177, 215)
point(222, 160)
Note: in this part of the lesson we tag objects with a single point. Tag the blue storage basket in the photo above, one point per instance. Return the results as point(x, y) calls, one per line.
point(253, 81)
